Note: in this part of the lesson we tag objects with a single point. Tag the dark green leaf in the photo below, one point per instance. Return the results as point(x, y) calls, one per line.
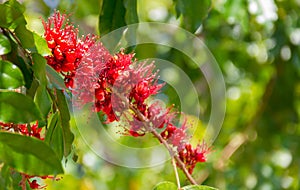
point(68, 136)
point(165, 186)
point(43, 101)
point(5, 46)
point(16, 5)
point(25, 36)
point(198, 187)
point(11, 15)
point(17, 108)
point(55, 79)
point(131, 15)
point(193, 12)
point(32, 90)
point(28, 155)
point(112, 16)
point(54, 136)
point(24, 67)
point(41, 45)
point(39, 68)
point(26, 70)
point(10, 75)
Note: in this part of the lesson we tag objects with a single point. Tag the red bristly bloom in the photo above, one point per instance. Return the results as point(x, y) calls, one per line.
point(25, 129)
point(191, 156)
point(123, 77)
point(114, 82)
point(33, 182)
point(67, 49)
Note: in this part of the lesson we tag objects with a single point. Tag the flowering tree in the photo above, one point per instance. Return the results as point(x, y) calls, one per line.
point(38, 73)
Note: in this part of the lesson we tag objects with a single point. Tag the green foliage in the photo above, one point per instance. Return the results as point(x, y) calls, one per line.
point(165, 186)
point(30, 92)
point(10, 76)
point(54, 136)
point(17, 108)
point(5, 46)
point(29, 155)
point(39, 68)
point(193, 12)
point(55, 80)
point(25, 37)
point(43, 101)
point(41, 45)
point(11, 14)
point(116, 14)
point(68, 137)
point(112, 16)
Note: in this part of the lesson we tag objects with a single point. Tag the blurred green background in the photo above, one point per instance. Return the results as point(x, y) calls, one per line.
point(256, 44)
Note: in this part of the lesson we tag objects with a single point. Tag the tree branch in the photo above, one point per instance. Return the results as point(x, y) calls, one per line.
point(24, 51)
point(150, 129)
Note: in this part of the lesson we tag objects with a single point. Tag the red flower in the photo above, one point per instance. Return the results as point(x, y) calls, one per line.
point(25, 129)
point(191, 156)
point(67, 49)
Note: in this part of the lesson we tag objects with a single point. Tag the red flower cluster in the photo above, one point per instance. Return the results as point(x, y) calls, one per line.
point(31, 130)
point(123, 78)
point(191, 156)
point(115, 84)
point(67, 49)
point(25, 129)
point(33, 182)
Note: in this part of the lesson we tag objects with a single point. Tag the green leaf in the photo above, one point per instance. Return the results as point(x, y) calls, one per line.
point(112, 16)
point(10, 75)
point(198, 187)
point(165, 186)
point(68, 136)
point(54, 136)
point(39, 68)
point(55, 79)
point(17, 108)
point(5, 46)
point(41, 45)
point(131, 15)
point(193, 12)
point(28, 155)
point(26, 70)
point(5, 178)
point(11, 14)
point(42, 100)
point(16, 5)
point(25, 36)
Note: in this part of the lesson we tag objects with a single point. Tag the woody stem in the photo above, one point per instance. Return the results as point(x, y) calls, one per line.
point(162, 140)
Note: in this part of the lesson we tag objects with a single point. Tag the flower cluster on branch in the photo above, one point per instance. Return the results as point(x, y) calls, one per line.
point(118, 86)
point(116, 83)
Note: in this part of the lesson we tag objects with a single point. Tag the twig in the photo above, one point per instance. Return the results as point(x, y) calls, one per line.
point(176, 173)
point(25, 51)
point(157, 135)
